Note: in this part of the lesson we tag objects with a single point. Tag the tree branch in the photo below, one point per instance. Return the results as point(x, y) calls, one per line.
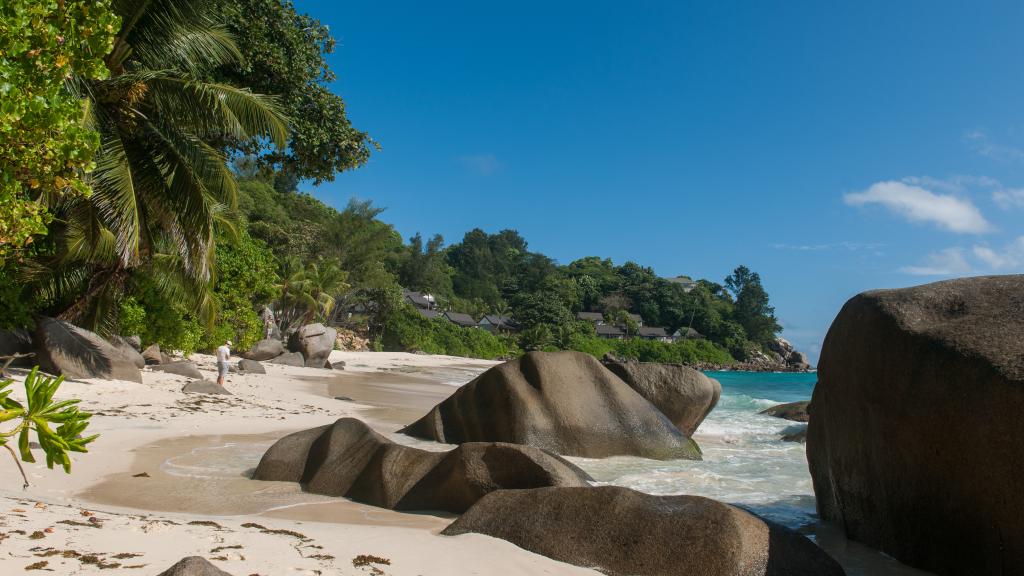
point(20, 469)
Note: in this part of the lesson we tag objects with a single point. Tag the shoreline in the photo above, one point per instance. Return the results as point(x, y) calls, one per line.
point(178, 466)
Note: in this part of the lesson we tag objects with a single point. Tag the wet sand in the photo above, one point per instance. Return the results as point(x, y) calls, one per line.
point(210, 476)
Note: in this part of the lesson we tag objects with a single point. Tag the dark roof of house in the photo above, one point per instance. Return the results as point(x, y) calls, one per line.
point(636, 318)
point(590, 316)
point(460, 318)
point(688, 333)
point(652, 332)
point(419, 299)
point(608, 330)
point(428, 313)
point(499, 321)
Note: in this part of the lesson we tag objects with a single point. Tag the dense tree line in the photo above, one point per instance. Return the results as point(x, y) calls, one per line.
point(173, 210)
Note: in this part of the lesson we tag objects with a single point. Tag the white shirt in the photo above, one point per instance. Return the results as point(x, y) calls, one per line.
point(223, 353)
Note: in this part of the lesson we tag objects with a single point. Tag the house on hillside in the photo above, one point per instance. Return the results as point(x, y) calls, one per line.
point(610, 332)
point(498, 324)
point(686, 334)
point(685, 281)
point(654, 333)
point(596, 318)
point(428, 314)
point(420, 300)
point(460, 319)
point(636, 318)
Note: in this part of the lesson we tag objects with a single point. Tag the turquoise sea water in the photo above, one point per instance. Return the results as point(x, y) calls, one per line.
point(745, 461)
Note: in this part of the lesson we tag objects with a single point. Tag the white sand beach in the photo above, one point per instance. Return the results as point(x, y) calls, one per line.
point(168, 478)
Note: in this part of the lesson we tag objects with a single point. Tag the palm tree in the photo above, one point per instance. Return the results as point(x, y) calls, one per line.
point(309, 293)
point(161, 186)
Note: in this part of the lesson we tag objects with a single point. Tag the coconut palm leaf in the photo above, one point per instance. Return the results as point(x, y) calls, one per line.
point(161, 188)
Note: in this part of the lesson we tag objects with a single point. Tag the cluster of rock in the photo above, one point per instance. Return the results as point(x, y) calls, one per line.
point(795, 412)
point(569, 403)
point(915, 445)
point(780, 357)
point(63, 349)
point(349, 459)
point(507, 481)
point(309, 346)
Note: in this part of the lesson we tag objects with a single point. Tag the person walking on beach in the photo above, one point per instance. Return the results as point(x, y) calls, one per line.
point(223, 354)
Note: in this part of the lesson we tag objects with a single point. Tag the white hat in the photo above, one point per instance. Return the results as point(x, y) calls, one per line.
point(229, 343)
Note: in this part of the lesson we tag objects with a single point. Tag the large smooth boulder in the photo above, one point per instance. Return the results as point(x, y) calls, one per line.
point(290, 359)
point(683, 394)
point(564, 402)
point(916, 445)
point(795, 411)
point(153, 356)
point(181, 368)
point(127, 348)
point(65, 349)
point(349, 459)
point(193, 566)
point(315, 342)
point(204, 387)
point(246, 366)
point(265, 350)
point(623, 532)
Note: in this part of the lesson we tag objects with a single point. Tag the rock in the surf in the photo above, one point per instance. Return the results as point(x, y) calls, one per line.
point(204, 387)
point(915, 444)
point(683, 394)
point(290, 359)
point(265, 350)
point(181, 368)
point(62, 348)
point(194, 566)
point(623, 532)
point(563, 402)
point(795, 411)
point(315, 342)
point(349, 459)
point(795, 435)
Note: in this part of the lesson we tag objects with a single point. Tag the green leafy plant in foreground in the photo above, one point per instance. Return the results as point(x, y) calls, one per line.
point(39, 415)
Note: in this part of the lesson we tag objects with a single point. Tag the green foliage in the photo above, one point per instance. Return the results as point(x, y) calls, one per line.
point(246, 275)
point(161, 187)
point(45, 147)
point(407, 330)
point(15, 306)
point(159, 321)
point(680, 352)
point(752, 310)
point(38, 415)
point(284, 53)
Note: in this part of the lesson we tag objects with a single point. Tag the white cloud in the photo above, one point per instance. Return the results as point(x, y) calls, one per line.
point(983, 145)
point(483, 164)
point(948, 262)
point(956, 184)
point(850, 246)
point(1011, 257)
point(1009, 198)
point(920, 205)
point(981, 258)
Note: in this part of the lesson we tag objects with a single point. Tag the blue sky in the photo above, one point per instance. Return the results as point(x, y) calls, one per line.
point(831, 147)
